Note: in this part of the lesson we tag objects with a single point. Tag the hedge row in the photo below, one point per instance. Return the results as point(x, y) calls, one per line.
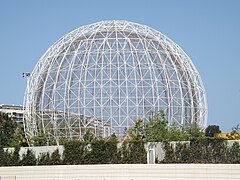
point(81, 152)
point(104, 152)
point(131, 152)
point(205, 151)
point(28, 159)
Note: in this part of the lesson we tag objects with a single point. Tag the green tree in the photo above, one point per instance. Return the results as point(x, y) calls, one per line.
point(176, 133)
point(157, 128)
point(133, 152)
point(194, 132)
point(15, 159)
point(104, 151)
point(98, 152)
point(62, 141)
point(181, 153)
point(44, 159)
point(169, 153)
point(137, 154)
point(219, 151)
point(211, 130)
point(28, 159)
point(39, 140)
point(88, 137)
point(19, 138)
point(124, 153)
point(137, 132)
point(56, 158)
point(75, 152)
point(5, 157)
point(112, 149)
point(7, 129)
point(234, 153)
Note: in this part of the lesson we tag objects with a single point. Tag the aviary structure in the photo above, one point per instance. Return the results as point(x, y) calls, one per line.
point(104, 76)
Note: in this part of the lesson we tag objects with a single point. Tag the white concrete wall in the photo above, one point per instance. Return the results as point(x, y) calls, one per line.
point(38, 150)
point(124, 172)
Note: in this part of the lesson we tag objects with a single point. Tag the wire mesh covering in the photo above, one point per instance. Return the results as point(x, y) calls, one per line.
point(104, 76)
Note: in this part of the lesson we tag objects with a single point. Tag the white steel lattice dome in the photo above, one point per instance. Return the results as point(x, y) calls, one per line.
point(104, 76)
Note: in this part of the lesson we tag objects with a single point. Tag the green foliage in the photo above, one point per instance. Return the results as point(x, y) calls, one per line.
point(11, 133)
point(88, 137)
point(124, 153)
point(194, 132)
point(19, 138)
point(28, 159)
point(39, 140)
point(44, 159)
point(169, 152)
point(9, 159)
point(7, 129)
point(104, 151)
point(178, 153)
point(133, 152)
point(157, 128)
point(15, 159)
point(137, 132)
point(176, 133)
point(234, 153)
point(211, 130)
point(202, 151)
point(56, 158)
point(75, 152)
point(113, 151)
point(5, 158)
point(190, 146)
point(98, 151)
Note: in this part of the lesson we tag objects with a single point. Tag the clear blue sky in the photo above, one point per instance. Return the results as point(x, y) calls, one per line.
point(207, 30)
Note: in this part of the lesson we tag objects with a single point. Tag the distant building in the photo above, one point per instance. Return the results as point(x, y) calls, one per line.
point(14, 111)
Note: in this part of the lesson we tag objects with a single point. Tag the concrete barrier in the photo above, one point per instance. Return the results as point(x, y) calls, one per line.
point(38, 150)
point(124, 172)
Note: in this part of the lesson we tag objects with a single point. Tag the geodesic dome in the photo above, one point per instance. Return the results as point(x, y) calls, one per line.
point(104, 76)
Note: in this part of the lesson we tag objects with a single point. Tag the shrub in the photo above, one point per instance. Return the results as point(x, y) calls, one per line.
point(28, 159)
point(75, 152)
point(56, 158)
point(44, 159)
point(133, 152)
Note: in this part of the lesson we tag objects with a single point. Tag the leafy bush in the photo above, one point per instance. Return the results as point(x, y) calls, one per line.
point(202, 151)
point(133, 152)
point(9, 159)
point(234, 153)
point(5, 158)
point(44, 159)
point(7, 129)
point(75, 152)
point(28, 159)
point(56, 158)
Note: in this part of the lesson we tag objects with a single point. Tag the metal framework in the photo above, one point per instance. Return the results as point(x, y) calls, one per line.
point(104, 76)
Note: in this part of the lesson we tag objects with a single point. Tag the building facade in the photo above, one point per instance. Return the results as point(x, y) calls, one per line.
point(13, 111)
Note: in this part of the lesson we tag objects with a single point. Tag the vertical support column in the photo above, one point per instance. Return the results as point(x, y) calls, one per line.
point(150, 154)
